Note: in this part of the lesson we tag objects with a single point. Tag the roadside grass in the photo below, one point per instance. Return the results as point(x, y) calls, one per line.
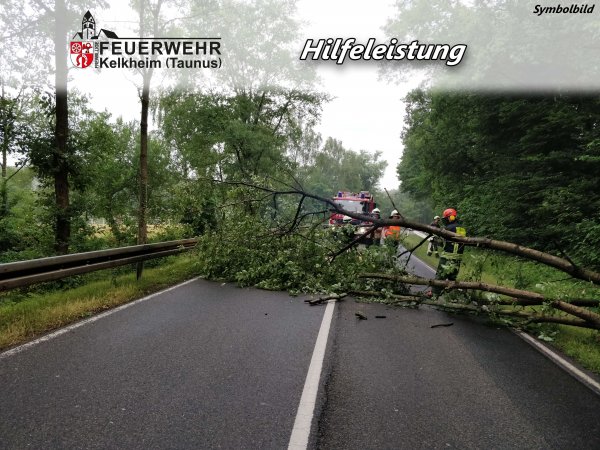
point(580, 344)
point(24, 316)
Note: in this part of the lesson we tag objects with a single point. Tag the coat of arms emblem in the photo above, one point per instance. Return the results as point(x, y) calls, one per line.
point(82, 54)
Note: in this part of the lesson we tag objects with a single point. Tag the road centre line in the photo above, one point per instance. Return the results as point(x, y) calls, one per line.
point(64, 330)
point(306, 408)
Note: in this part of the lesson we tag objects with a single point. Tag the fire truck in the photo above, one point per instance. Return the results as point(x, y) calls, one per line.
point(359, 202)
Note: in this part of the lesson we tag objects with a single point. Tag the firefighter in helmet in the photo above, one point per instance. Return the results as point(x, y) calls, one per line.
point(393, 231)
point(347, 230)
point(376, 213)
point(435, 242)
point(452, 252)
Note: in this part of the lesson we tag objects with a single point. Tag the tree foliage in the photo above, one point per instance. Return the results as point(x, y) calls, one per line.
point(499, 34)
point(252, 253)
point(520, 168)
point(334, 168)
point(245, 134)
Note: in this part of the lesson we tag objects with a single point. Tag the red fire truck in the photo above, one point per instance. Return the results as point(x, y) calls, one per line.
point(359, 202)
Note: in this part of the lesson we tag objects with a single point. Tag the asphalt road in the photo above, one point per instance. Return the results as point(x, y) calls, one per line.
point(414, 265)
point(203, 366)
point(207, 365)
point(397, 383)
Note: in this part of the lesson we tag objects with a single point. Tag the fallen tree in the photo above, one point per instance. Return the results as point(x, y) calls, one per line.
point(518, 297)
point(563, 264)
point(580, 312)
point(454, 307)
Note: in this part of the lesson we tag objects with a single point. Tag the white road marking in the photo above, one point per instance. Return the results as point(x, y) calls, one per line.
point(560, 361)
point(64, 330)
point(306, 408)
point(419, 233)
point(554, 357)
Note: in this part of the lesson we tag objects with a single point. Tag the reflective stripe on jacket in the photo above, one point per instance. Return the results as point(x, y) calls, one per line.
point(454, 250)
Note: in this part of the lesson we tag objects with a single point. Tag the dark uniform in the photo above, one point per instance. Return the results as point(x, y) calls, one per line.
point(435, 242)
point(451, 256)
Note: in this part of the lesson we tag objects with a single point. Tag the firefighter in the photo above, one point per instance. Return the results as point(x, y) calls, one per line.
point(452, 252)
point(347, 230)
point(393, 231)
point(434, 241)
point(376, 213)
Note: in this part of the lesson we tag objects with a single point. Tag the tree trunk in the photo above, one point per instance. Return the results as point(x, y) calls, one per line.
point(60, 162)
point(143, 206)
point(4, 207)
point(145, 100)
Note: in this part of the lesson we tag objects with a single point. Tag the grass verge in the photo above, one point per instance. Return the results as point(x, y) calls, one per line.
point(583, 345)
point(23, 317)
point(580, 344)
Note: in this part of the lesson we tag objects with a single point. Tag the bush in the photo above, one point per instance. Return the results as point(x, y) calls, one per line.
point(248, 252)
point(586, 247)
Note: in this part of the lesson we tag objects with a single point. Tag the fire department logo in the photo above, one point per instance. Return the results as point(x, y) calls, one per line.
point(81, 48)
point(82, 54)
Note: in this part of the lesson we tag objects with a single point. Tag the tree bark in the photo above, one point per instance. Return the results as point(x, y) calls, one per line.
point(143, 189)
point(589, 316)
point(523, 315)
point(458, 285)
point(578, 311)
point(60, 160)
point(4, 207)
point(145, 101)
point(580, 322)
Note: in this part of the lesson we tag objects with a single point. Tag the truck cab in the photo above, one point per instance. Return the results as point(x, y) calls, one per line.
point(359, 202)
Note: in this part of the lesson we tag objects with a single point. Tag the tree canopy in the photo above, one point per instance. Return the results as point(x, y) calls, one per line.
point(520, 168)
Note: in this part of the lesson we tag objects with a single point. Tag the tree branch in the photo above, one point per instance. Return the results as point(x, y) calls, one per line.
point(520, 314)
point(293, 224)
point(414, 248)
point(538, 318)
point(456, 285)
point(577, 311)
point(18, 170)
point(355, 241)
point(393, 204)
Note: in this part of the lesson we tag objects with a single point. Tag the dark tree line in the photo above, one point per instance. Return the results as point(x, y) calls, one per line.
point(519, 168)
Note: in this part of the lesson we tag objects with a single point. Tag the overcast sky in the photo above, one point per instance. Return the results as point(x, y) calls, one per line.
point(511, 48)
point(365, 113)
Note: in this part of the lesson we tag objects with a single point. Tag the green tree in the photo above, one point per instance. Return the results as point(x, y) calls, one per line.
point(52, 20)
point(238, 136)
point(334, 168)
point(12, 128)
point(507, 46)
point(520, 168)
